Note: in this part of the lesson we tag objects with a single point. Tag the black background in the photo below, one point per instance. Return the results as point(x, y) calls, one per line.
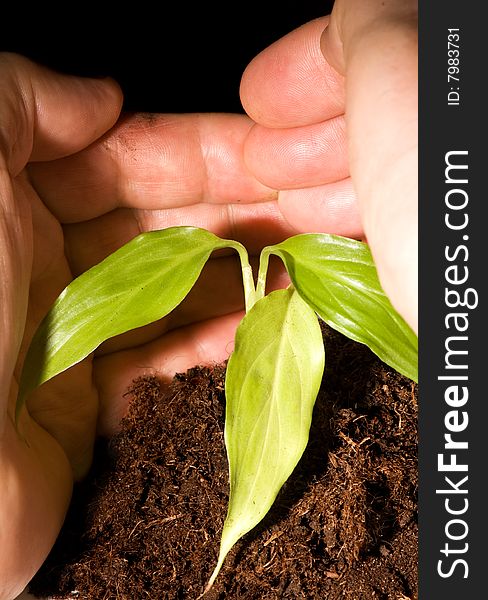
point(167, 57)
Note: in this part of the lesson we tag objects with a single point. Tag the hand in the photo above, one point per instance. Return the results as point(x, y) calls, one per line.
point(340, 124)
point(73, 188)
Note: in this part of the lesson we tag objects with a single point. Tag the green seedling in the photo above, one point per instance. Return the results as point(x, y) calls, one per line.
point(276, 368)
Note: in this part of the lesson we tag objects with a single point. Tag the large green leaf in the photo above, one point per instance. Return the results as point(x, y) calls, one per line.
point(273, 378)
point(139, 283)
point(337, 277)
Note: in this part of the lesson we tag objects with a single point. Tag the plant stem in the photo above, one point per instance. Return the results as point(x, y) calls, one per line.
point(263, 271)
point(247, 275)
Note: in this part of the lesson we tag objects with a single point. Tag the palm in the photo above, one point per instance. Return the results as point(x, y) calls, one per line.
point(80, 216)
point(47, 407)
point(76, 221)
point(200, 330)
point(147, 173)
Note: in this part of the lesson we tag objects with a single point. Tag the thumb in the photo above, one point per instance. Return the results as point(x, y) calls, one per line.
point(46, 115)
point(351, 20)
point(373, 44)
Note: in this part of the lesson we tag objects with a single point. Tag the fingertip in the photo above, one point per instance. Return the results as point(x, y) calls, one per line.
point(72, 112)
point(46, 114)
point(289, 84)
point(330, 208)
point(111, 92)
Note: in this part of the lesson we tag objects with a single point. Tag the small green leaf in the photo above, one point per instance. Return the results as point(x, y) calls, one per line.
point(273, 378)
point(139, 283)
point(337, 277)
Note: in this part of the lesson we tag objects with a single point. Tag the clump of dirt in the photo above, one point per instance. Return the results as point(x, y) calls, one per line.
point(146, 522)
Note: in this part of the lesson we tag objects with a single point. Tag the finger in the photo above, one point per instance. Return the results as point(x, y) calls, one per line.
point(42, 114)
point(153, 162)
point(46, 115)
point(290, 84)
point(328, 208)
point(299, 157)
point(379, 60)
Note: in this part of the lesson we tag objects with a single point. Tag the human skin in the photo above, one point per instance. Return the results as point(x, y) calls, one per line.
point(76, 182)
point(358, 98)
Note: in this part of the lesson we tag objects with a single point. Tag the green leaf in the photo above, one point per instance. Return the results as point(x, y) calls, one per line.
point(337, 277)
point(273, 378)
point(139, 283)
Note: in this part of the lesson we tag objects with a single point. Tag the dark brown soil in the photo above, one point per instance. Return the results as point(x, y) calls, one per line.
point(146, 523)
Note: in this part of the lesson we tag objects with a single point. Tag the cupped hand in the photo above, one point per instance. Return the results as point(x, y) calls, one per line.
point(335, 105)
point(74, 186)
point(76, 182)
point(42, 117)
